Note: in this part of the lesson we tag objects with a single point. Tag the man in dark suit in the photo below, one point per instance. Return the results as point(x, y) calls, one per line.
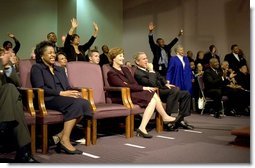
point(12, 120)
point(161, 52)
point(214, 83)
point(235, 59)
point(176, 100)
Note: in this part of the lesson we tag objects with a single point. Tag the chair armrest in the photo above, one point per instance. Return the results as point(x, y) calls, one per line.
point(124, 95)
point(84, 92)
point(41, 102)
point(91, 98)
point(29, 95)
point(129, 98)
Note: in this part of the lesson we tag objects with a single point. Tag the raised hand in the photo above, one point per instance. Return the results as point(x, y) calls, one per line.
point(180, 33)
point(95, 29)
point(74, 23)
point(11, 35)
point(150, 67)
point(151, 26)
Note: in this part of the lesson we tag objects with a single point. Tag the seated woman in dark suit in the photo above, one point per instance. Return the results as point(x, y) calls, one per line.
point(141, 95)
point(58, 93)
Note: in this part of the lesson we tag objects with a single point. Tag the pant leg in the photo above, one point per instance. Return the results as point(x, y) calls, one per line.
point(185, 103)
point(216, 96)
point(11, 109)
point(170, 97)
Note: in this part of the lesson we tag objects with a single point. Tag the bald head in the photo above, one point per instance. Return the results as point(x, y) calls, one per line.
point(214, 63)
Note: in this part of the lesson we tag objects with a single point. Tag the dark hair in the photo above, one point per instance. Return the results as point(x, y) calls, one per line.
point(59, 53)
point(73, 37)
point(6, 43)
point(48, 35)
point(233, 46)
point(40, 48)
point(211, 47)
point(158, 39)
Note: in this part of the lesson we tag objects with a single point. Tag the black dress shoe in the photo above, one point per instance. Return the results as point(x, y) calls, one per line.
point(26, 158)
point(171, 127)
point(142, 134)
point(217, 115)
point(184, 125)
point(61, 148)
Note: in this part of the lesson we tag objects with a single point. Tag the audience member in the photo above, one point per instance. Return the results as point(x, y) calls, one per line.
point(177, 101)
point(58, 94)
point(212, 53)
point(219, 82)
point(142, 95)
point(235, 92)
point(94, 56)
point(8, 45)
point(61, 60)
point(214, 83)
point(52, 37)
point(104, 56)
point(12, 120)
point(190, 56)
point(200, 58)
point(243, 77)
point(73, 50)
point(199, 70)
point(161, 52)
point(179, 71)
point(235, 59)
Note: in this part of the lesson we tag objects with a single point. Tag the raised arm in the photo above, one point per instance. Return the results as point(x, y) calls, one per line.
point(74, 25)
point(17, 43)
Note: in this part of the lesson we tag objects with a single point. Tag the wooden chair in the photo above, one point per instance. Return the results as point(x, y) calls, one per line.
point(44, 116)
point(84, 74)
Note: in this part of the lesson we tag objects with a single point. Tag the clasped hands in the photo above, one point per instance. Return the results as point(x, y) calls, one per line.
point(71, 93)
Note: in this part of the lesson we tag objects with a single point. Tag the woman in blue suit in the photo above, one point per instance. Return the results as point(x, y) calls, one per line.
point(58, 93)
point(179, 72)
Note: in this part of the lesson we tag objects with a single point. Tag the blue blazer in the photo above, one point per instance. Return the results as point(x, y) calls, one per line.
point(178, 76)
point(41, 77)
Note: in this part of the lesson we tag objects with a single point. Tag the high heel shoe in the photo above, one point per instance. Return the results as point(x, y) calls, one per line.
point(61, 147)
point(169, 122)
point(140, 133)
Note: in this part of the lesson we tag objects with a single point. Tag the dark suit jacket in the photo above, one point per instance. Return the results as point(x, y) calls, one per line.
point(212, 80)
point(11, 107)
point(207, 58)
point(149, 79)
point(234, 64)
point(41, 77)
point(156, 50)
point(125, 79)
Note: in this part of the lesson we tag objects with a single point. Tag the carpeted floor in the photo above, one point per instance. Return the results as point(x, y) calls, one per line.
point(210, 142)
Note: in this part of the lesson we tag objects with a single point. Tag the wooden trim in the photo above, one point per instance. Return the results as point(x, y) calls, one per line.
point(91, 99)
point(41, 102)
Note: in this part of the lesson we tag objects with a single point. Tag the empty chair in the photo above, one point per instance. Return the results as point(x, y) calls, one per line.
point(88, 75)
